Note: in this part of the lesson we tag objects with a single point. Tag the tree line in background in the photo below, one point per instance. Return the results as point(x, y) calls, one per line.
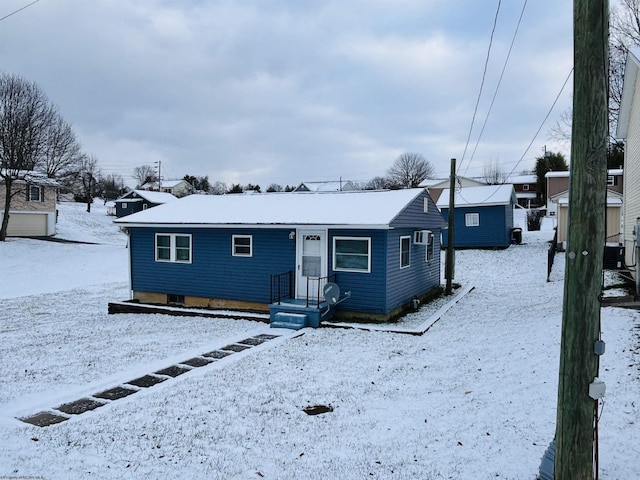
point(407, 171)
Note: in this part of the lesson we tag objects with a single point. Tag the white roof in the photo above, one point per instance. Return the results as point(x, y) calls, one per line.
point(479, 196)
point(164, 184)
point(358, 209)
point(526, 195)
point(523, 179)
point(334, 186)
point(153, 197)
point(445, 182)
point(565, 173)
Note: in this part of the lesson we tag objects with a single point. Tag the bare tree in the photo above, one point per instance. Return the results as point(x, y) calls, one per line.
point(624, 34)
point(377, 183)
point(89, 176)
point(25, 116)
point(274, 187)
point(62, 155)
point(561, 131)
point(144, 174)
point(408, 170)
point(218, 188)
point(493, 174)
point(111, 186)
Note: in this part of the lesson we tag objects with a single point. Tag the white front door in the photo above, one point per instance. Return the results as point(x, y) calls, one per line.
point(311, 261)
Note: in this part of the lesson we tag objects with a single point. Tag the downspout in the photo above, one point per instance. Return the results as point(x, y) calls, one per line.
point(636, 246)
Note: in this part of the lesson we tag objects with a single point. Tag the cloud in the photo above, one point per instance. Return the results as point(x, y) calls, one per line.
point(287, 91)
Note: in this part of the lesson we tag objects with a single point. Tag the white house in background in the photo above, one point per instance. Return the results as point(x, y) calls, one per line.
point(177, 188)
point(629, 130)
point(34, 206)
point(435, 186)
point(335, 186)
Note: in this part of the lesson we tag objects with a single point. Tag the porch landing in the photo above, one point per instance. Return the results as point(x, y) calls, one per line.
point(296, 313)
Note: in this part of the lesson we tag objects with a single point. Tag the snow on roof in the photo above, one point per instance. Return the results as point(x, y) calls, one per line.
point(34, 177)
point(523, 179)
point(479, 196)
point(164, 184)
point(565, 173)
point(357, 209)
point(557, 174)
point(334, 186)
point(153, 197)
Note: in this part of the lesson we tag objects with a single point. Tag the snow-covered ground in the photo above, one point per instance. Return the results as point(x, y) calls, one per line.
point(473, 398)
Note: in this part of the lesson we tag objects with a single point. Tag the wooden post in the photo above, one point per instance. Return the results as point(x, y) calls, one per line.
point(450, 260)
point(585, 243)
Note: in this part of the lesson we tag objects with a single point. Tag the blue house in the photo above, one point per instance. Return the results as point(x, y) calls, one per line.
point(483, 216)
point(252, 251)
point(138, 200)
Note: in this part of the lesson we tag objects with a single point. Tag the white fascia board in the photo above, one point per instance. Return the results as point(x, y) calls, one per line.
point(255, 226)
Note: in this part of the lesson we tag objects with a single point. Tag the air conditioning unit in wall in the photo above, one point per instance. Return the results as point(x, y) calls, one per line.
point(421, 237)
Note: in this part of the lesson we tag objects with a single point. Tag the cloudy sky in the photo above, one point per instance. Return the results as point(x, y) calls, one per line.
point(284, 91)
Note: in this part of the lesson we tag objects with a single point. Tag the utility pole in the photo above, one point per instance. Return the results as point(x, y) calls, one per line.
point(576, 412)
point(449, 266)
point(159, 163)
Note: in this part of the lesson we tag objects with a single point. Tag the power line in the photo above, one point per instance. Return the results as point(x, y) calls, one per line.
point(484, 74)
point(495, 93)
point(19, 10)
point(543, 121)
point(534, 137)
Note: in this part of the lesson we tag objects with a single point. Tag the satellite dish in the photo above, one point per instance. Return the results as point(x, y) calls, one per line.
point(331, 292)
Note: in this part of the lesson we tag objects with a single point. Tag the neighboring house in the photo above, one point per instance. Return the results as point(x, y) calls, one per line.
point(629, 130)
point(336, 186)
point(436, 186)
point(483, 216)
point(526, 189)
point(245, 252)
point(613, 218)
point(33, 206)
point(558, 186)
point(138, 200)
point(177, 188)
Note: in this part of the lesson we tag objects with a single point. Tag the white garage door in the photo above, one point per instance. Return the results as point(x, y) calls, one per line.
point(27, 225)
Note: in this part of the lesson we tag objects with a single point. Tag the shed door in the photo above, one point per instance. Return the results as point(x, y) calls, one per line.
point(311, 262)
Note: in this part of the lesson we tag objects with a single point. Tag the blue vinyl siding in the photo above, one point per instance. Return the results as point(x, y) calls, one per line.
point(214, 272)
point(367, 289)
point(419, 278)
point(494, 229)
point(413, 215)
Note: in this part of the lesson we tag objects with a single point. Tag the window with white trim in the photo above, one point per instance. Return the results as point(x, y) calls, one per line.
point(525, 187)
point(35, 193)
point(405, 252)
point(352, 254)
point(472, 220)
point(124, 204)
point(611, 180)
point(242, 245)
point(173, 247)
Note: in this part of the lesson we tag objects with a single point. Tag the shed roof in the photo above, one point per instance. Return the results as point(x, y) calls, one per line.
point(154, 197)
point(358, 209)
point(480, 196)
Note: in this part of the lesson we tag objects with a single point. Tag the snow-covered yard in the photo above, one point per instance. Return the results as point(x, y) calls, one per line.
point(473, 398)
